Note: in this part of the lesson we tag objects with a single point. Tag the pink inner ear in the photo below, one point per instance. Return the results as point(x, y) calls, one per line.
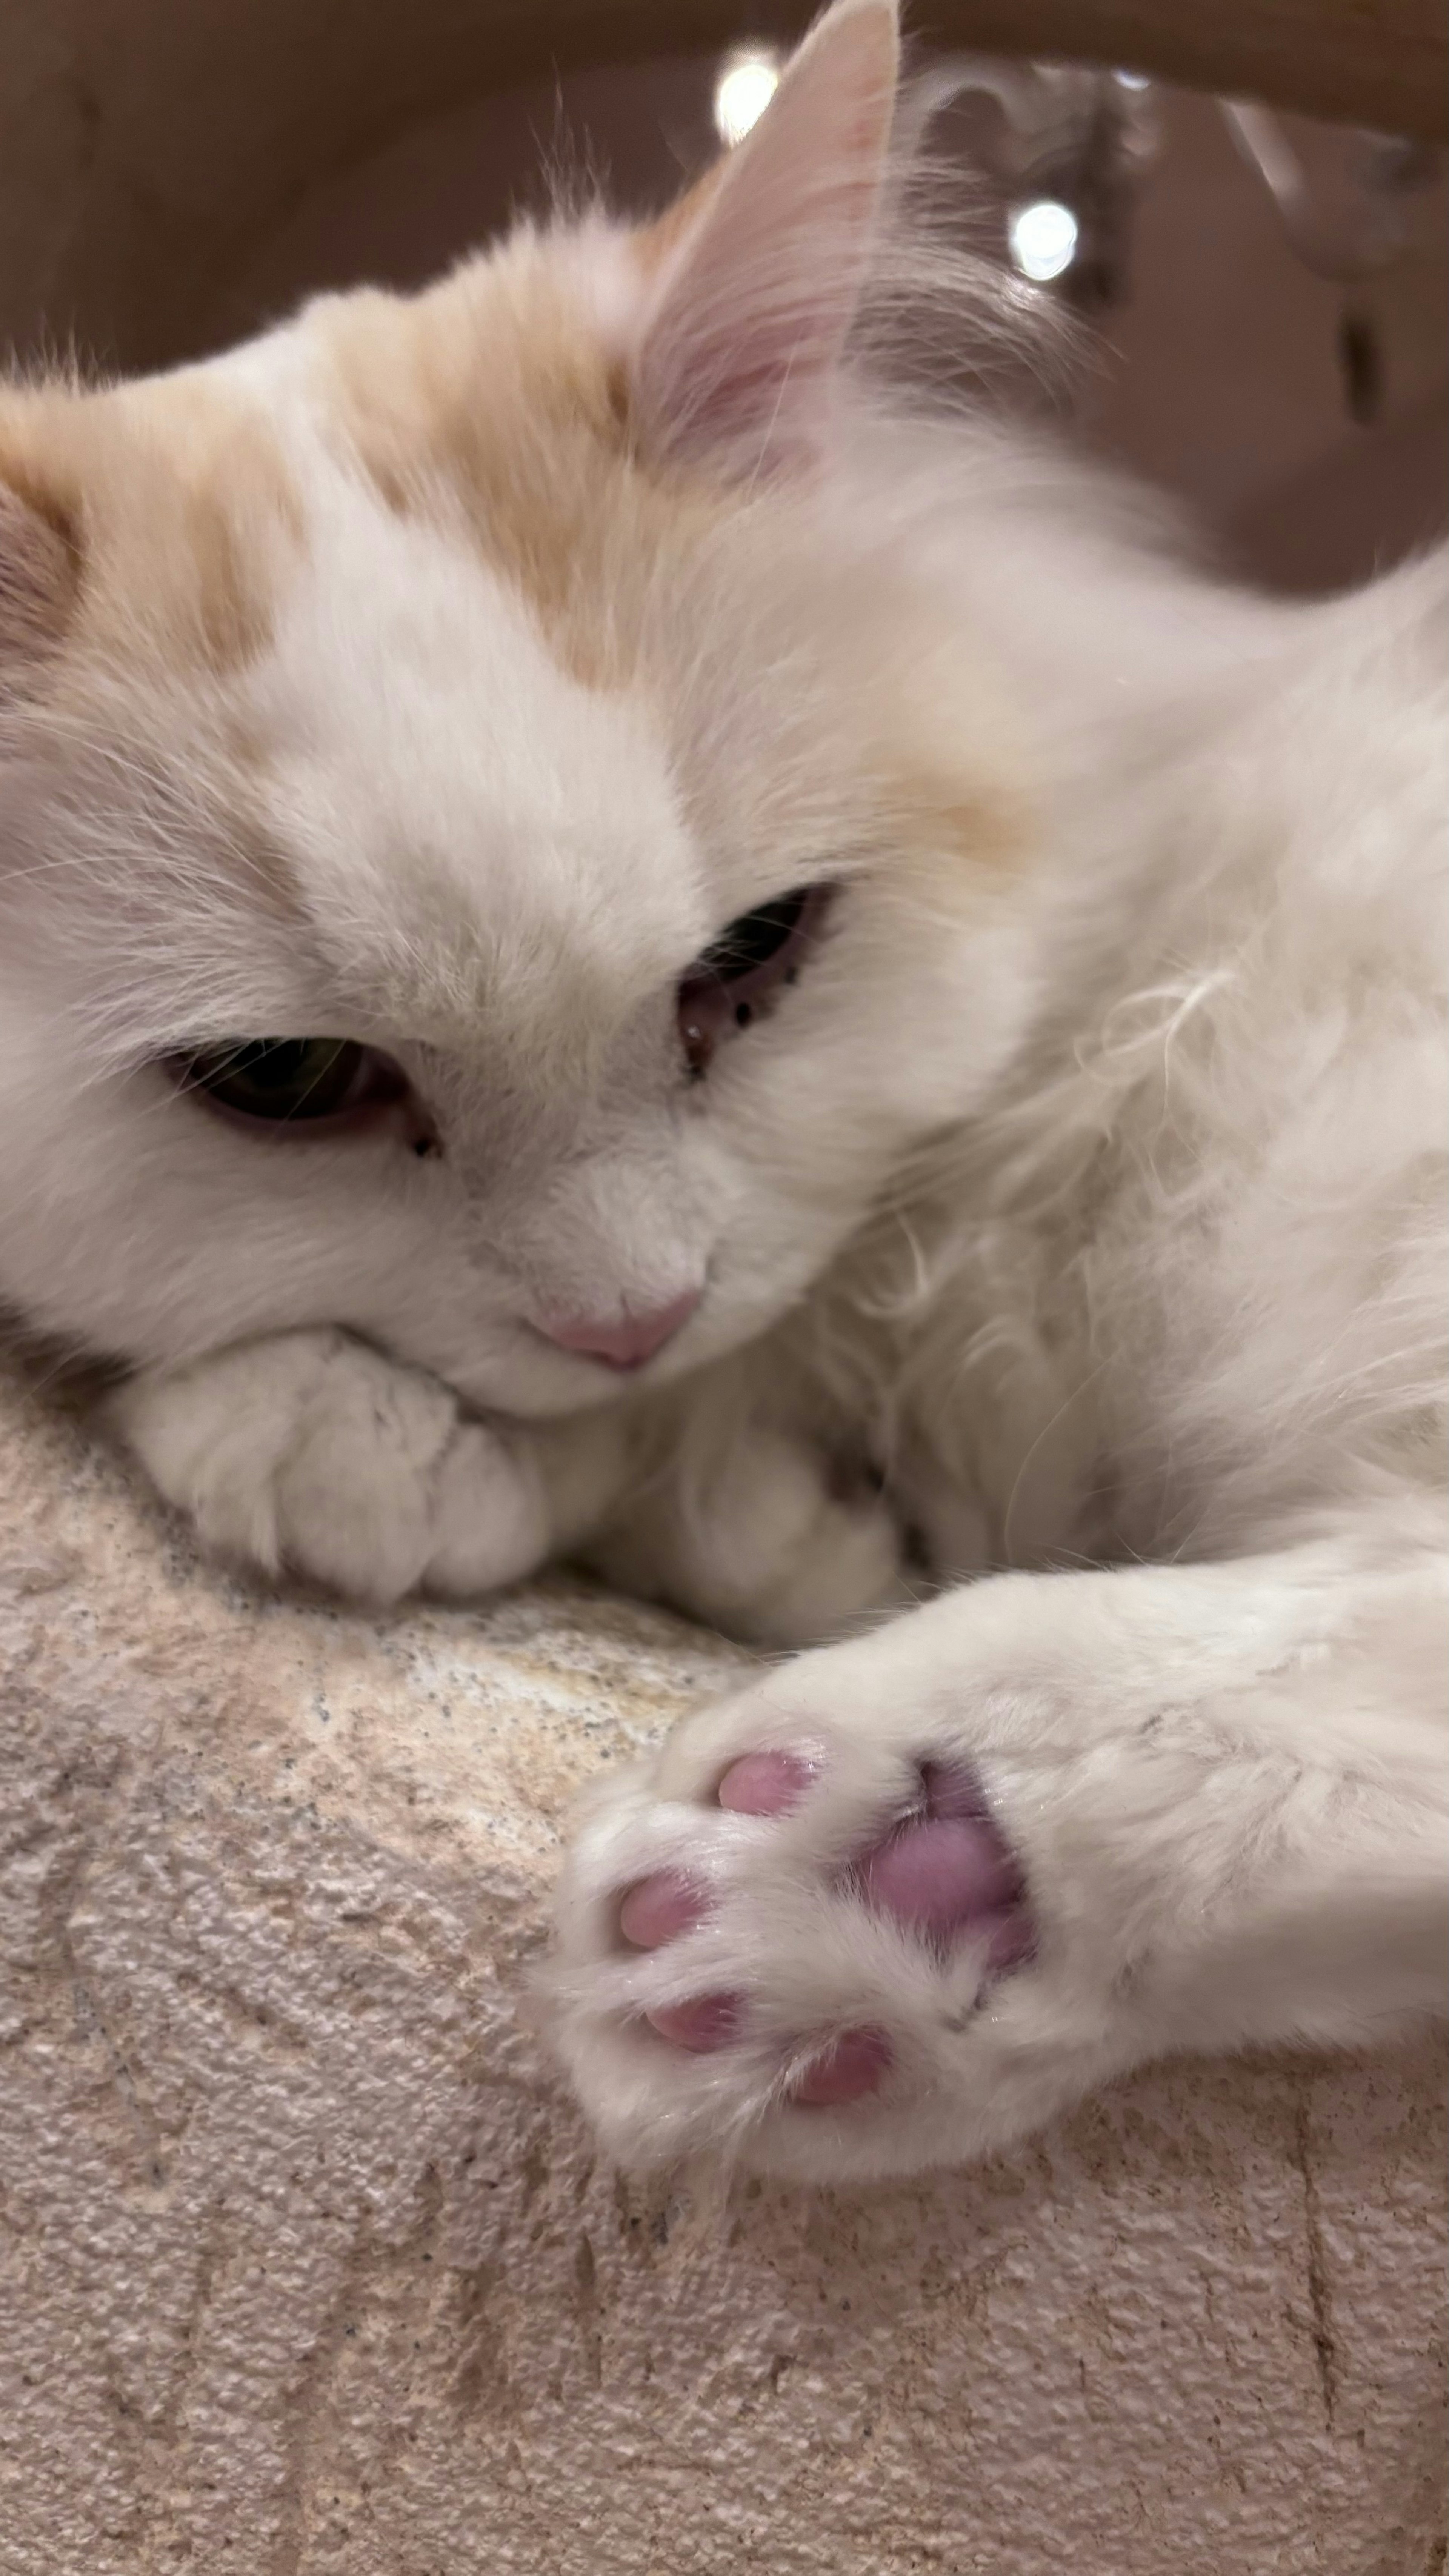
point(751, 315)
point(37, 585)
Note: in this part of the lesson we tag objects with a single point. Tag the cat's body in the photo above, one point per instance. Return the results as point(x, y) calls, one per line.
point(1122, 1311)
point(1058, 1185)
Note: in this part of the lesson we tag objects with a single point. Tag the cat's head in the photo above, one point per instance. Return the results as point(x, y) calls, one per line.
point(490, 820)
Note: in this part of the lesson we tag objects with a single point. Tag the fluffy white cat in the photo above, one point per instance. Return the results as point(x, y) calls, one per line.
point(615, 940)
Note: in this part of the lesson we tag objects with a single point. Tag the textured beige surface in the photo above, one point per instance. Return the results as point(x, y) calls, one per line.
point(306, 2266)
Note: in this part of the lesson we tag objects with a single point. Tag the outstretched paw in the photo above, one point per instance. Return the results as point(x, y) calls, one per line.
point(909, 1898)
point(810, 1928)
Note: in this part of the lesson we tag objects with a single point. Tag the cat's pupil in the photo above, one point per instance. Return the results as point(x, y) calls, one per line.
point(754, 939)
point(280, 1077)
point(280, 1064)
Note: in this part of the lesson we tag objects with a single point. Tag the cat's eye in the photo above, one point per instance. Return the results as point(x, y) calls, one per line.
point(294, 1083)
point(743, 970)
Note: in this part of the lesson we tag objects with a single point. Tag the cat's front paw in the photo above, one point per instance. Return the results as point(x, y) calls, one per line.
point(910, 1897)
point(808, 1940)
point(311, 1454)
point(769, 1547)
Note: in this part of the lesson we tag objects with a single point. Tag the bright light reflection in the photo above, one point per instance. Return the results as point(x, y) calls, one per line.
point(1043, 238)
point(746, 84)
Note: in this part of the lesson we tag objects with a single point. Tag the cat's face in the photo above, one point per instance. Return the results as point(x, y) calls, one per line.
point(522, 742)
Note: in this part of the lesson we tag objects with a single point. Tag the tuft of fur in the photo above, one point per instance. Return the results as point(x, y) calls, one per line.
point(445, 673)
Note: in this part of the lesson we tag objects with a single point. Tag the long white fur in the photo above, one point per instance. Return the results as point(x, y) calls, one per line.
point(1094, 1196)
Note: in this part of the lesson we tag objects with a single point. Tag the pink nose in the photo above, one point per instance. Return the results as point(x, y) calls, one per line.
point(629, 1342)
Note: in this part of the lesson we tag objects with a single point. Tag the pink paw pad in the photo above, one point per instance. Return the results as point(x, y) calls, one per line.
point(938, 1875)
point(705, 2023)
point(658, 1909)
point(765, 1784)
point(947, 1872)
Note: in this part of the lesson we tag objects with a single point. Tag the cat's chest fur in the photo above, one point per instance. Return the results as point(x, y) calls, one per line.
point(951, 1366)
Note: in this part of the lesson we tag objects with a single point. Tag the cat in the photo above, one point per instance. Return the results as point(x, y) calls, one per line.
point(620, 938)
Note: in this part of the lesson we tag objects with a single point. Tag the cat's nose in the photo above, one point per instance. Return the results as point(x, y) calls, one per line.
point(626, 1341)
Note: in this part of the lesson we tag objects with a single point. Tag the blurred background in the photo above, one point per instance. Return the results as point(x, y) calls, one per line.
point(1264, 300)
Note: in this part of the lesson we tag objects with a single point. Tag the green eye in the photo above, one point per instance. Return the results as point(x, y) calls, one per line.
point(292, 1079)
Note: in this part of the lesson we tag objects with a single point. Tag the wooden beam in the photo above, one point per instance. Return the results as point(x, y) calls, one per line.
point(1366, 62)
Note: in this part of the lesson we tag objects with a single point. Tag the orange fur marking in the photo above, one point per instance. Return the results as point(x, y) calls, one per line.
point(171, 498)
point(487, 401)
point(37, 590)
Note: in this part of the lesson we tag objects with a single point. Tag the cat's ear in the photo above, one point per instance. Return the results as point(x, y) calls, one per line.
point(37, 589)
point(759, 273)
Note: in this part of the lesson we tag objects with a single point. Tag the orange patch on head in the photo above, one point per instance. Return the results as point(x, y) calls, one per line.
point(38, 581)
point(490, 402)
point(142, 533)
point(226, 514)
point(493, 405)
point(162, 504)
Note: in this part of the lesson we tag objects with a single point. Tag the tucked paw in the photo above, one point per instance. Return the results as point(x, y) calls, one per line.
point(800, 1930)
point(311, 1453)
point(768, 1548)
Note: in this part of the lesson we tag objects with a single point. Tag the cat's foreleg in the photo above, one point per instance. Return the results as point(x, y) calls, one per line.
point(910, 1896)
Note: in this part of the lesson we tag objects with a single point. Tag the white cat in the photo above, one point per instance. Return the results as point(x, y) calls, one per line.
point(614, 940)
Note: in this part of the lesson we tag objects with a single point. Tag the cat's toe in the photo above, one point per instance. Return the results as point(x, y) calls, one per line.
point(705, 2023)
point(765, 1784)
point(658, 1908)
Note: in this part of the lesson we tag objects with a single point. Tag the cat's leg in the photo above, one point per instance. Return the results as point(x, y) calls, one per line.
point(310, 1452)
point(908, 1897)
